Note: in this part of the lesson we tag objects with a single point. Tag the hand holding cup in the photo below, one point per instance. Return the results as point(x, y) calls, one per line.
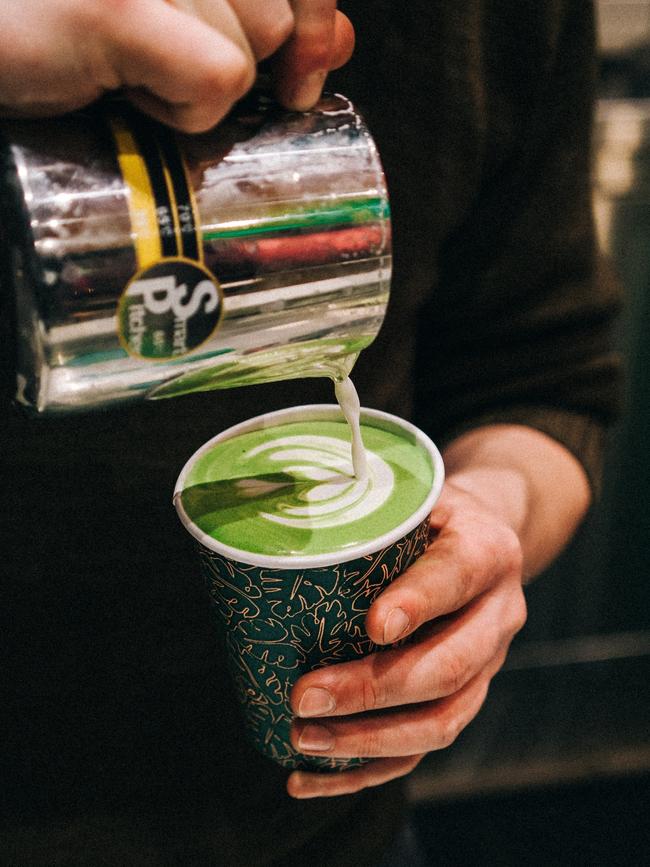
point(458, 606)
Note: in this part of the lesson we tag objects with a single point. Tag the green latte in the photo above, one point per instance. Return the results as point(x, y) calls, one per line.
point(289, 490)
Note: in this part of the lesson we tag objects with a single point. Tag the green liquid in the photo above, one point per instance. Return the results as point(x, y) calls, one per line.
point(291, 490)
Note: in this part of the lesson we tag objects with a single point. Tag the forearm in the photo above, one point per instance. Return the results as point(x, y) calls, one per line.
point(532, 481)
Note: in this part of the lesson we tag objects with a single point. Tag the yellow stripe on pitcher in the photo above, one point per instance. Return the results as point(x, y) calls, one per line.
point(141, 202)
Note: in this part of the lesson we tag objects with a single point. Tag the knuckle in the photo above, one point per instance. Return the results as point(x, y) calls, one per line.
point(520, 610)
point(217, 89)
point(93, 18)
point(190, 124)
point(319, 55)
point(371, 744)
point(466, 580)
point(109, 7)
point(192, 120)
point(502, 550)
point(373, 694)
point(512, 553)
point(403, 769)
point(276, 32)
point(358, 783)
point(472, 545)
point(313, 49)
point(415, 760)
point(470, 562)
point(495, 552)
point(234, 78)
point(101, 18)
point(454, 673)
point(450, 728)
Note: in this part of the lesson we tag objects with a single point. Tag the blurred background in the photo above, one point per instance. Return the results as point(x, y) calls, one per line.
point(556, 768)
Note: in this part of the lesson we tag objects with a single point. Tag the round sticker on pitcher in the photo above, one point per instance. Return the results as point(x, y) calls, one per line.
point(169, 309)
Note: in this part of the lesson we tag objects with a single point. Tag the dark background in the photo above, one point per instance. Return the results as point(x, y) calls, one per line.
point(556, 768)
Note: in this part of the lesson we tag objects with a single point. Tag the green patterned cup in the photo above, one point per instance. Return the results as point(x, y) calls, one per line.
point(294, 597)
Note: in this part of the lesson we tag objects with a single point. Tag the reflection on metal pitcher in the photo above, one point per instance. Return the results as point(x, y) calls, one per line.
point(149, 264)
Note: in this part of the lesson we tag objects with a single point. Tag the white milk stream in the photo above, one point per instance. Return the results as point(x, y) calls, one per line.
point(348, 399)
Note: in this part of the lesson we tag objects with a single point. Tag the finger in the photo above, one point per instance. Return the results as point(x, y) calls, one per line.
point(191, 87)
point(187, 117)
point(405, 732)
point(302, 784)
point(267, 25)
point(466, 558)
point(46, 65)
point(303, 63)
point(220, 16)
point(445, 657)
point(343, 41)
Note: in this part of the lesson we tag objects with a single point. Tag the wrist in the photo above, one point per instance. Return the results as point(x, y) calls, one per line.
point(526, 479)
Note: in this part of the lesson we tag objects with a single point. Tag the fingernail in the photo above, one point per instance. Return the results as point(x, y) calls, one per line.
point(396, 623)
point(314, 737)
point(307, 91)
point(316, 701)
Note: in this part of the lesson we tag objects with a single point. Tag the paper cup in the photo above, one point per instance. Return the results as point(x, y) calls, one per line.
point(284, 616)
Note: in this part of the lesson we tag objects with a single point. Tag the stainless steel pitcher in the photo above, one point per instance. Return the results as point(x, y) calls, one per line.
point(148, 264)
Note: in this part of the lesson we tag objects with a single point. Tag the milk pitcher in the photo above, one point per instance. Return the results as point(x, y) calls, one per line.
point(146, 264)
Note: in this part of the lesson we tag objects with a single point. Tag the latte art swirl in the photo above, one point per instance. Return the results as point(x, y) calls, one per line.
point(290, 489)
point(337, 496)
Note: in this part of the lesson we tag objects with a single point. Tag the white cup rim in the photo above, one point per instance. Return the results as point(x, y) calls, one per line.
point(311, 412)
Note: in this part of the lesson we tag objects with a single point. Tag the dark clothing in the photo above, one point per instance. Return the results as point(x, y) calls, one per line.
point(406, 850)
point(500, 308)
point(123, 744)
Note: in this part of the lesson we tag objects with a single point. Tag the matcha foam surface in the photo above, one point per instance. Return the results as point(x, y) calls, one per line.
point(291, 490)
